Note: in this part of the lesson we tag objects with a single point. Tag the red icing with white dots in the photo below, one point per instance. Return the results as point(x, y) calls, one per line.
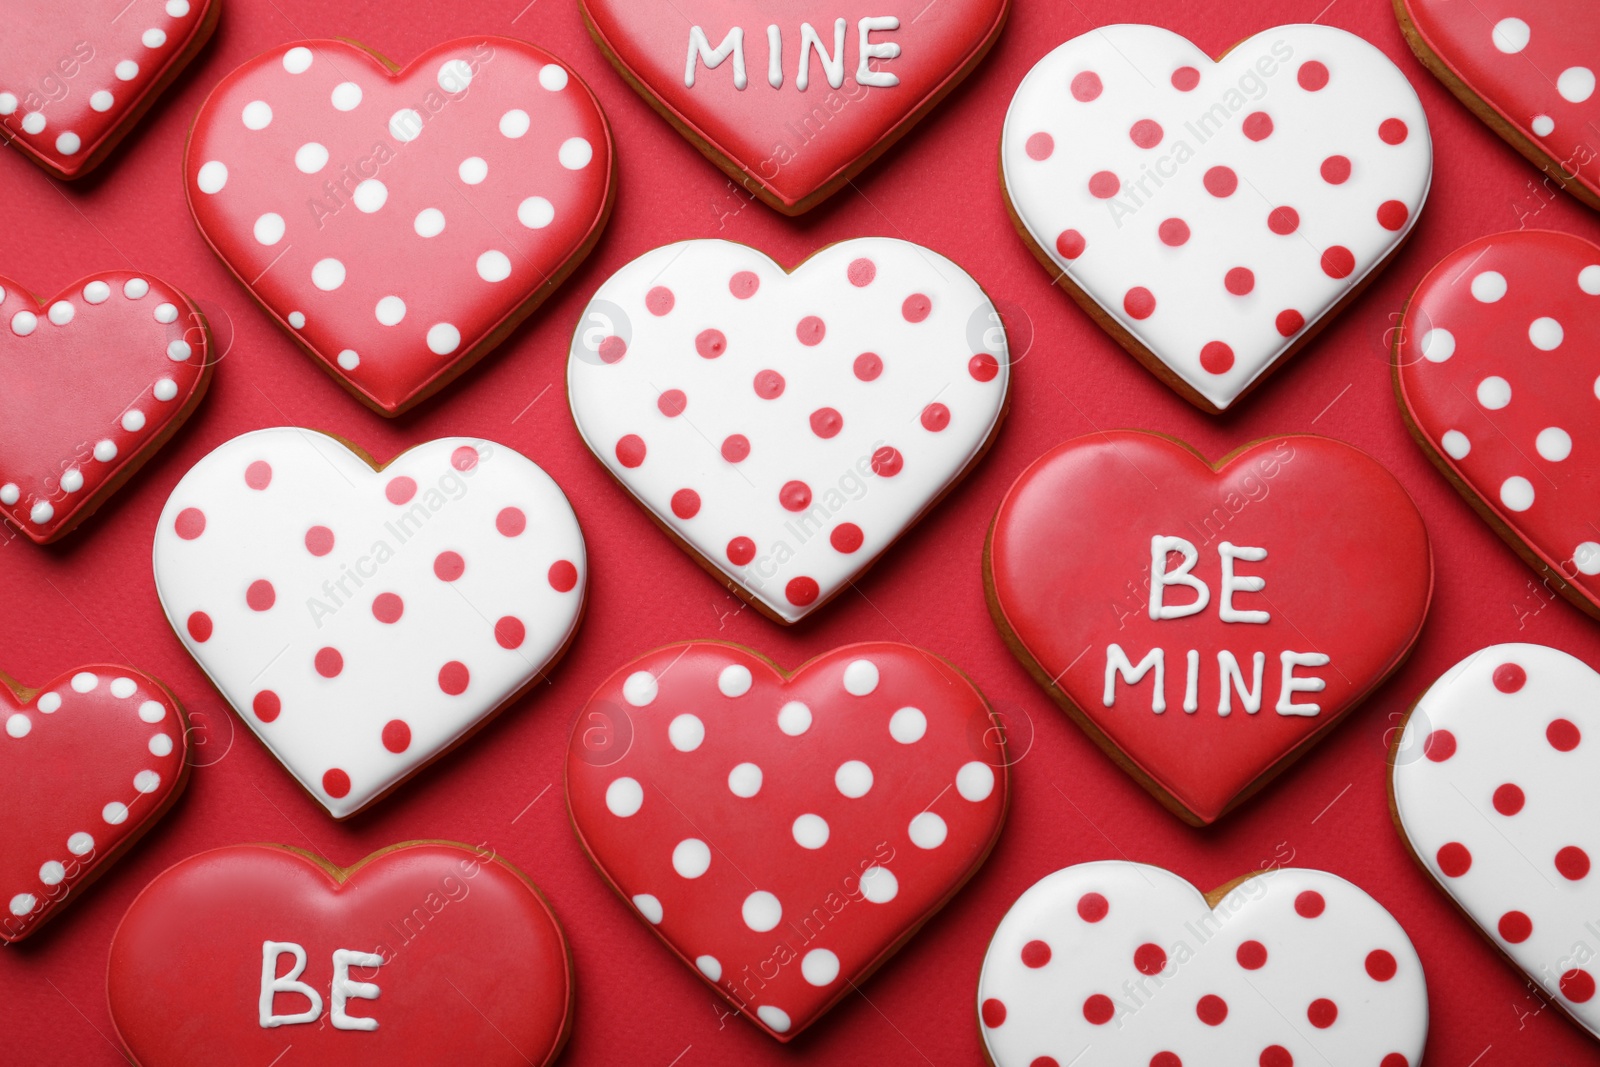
point(1498, 374)
point(1533, 62)
point(789, 427)
point(1216, 210)
point(1495, 780)
point(784, 835)
point(361, 622)
point(1117, 964)
point(469, 964)
point(398, 225)
point(92, 382)
point(88, 763)
point(75, 76)
point(1204, 683)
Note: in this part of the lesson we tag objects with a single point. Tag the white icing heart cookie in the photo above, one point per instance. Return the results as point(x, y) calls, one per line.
point(364, 621)
point(1495, 782)
point(787, 428)
point(1211, 214)
point(1117, 964)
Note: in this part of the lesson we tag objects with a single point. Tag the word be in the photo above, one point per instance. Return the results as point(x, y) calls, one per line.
point(833, 63)
point(340, 992)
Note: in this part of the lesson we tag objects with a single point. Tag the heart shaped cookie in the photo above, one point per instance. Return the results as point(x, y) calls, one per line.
point(400, 223)
point(784, 834)
point(1525, 67)
point(1493, 782)
point(1212, 216)
point(793, 100)
point(424, 953)
point(787, 428)
point(92, 383)
point(1207, 624)
point(364, 620)
point(89, 763)
point(1112, 964)
point(75, 78)
point(1497, 368)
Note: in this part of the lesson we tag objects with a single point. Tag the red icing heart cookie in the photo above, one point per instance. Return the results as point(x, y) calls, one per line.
point(89, 762)
point(1266, 624)
point(792, 98)
point(400, 223)
point(1497, 369)
point(421, 954)
point(75, 77)
point(92, 383)
point(1527, 68)
point(785, 834)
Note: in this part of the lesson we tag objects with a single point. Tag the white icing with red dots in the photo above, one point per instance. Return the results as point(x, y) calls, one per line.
point(398, 224)
point(361, 622)
point(1117, 964)
point(1216, 210)
point(784, 835)
point(87, 765)
point(789, 427)
point(1496, 779)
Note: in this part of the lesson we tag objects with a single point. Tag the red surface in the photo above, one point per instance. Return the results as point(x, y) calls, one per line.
point(92, 597)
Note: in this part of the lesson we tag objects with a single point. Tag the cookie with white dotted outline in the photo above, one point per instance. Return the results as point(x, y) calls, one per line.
point(1497, 371)
point(89, 763)
point(400, 223)
point(363, 619)
point(1118, 964)
point(92, 383)
point(784, 833)
point(1494, 779)
point(1213, 215)
point(76, 78)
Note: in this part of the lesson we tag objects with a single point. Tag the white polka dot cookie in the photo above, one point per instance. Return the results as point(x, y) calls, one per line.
point(88, 764)
point(1527, 68)
point(75, 78)
point(1210, 215)
point(362, 621)
point(784, 833)
point(1497, 369)
point(1117, 964)
point(1495, 780)
point(787, 428)
point(400, 223)
point(92, 383)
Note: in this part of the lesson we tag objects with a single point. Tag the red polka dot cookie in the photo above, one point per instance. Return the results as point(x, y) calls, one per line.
point(1494, 781)
point(92, 383)
point(364, 620)
point(1525, 67)
point(1212, 215)
point(787, 428)
point(793, 99)
point(425, 953)
point(399, 224)
point(75, 78)
point(1117, 964)
point(1497, 369)
point(785, 832)
point(88, 764)
point(1223, 626)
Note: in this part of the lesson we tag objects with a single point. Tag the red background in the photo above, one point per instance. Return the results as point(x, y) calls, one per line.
point(91, 598)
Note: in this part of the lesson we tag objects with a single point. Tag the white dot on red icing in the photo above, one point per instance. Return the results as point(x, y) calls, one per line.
point(269, 228)
point(8, 103)
point(18, 725)
point(101, 100)
point(810, 831)
point(147, 781)
point(80, 844)
point(61, 313)
point(349, 359)
point(42, 513)
point(212, 177)
point(114, 813)
point(515, 123)
point(1438, 345)
point(709, 966)
point(327, 274)
point(1510, 35)
point(1546, 334)
point(178, 351)
point(443, 338)
point(165, 313)
point(52, 872)
point(908, 725)
point(69, 143)
point(33, 122)
point(975, 781)
point(85, 682)
point(819, 967)
point(691, 857)
point(10, 494)
point(1494, 392)
point(390, 310)
point(133, 421)
point(639, 689)
point(494, 266)
point(152, 711)
point(1589, 279)
point(257, 115)
point(49, 703)
point(1455, 444)
point(879, 885)
point(23, 904)
point(23, 323)
point(346, 96)
point(310, 157)
point(94, 293)
point(297, 60)
point(624, 797)
point(1516, 493)
point(1586, 557)
point(153, 37)
point(473, 170)
point(1554, 443)
point(794, 718)
point(123, 688)
point(776, 1018)
point(575, 153)
point(553, 76)
point(686, 732)
point(429, 222)
point(105, 451)
point(1576, 84)
point(405, 125)
point(454, 75)
point(649, 907)
point(126, 70)
point(1543, 125)
point(735, 680)
point(1488, 286)
point(927, 830)
point(853, 779)
point(536, 213)
point(860, 677)
point(745, 780)
point(161, 746)
point(761, 911)
point(72, 477)
point(369, 196)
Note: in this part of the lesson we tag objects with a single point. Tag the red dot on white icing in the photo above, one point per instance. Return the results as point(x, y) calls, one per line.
point(563, 576)
point(861, 272)
point(630, 450)
point(1310, 904)
point(464, 458)
point(1104, 184)
point(686, 503)
point(190, 523)
point(795, 496)
point(1440, 746)
point(1577, 985)
point(1092, 907)
point(453, 678)
point(811, 330)
point(744, 284)
point(1338, 262)
point(1515, 927)
point(396, 736)
point(336, 783)
point(319, 540)
point(769, 384)
point(1312, 76)
point(935, 417)
point(260, 596)
point(1099, 1009)
point(1257, 126)
point(672, 403)
point(1283, 220)
point(388, 607)
point(1221, 181)
point(267, 705)
point(1139, 302)
point(1393, 131)
point(1239, 281)
point(1573, 863)
point(1086, 86)
point(510, 522)
point(400, 490)
point(612, 349)
point(1508, 799)
point(1252, 955)
point(1563, 735)
point(1035, 954)
point(983, 367)
point(868, 366)
point(509, 632)
point(1185, 79)
point(1392, 215)
point(1211, 1009)
point(1173, 232)
point(736, 446)
point(1040, 145)
point(887, 462)
point(1070, 243)
point(659, 300)
point(200, 626)
point(916, 308)
point(1146, 133)
point(328, 662)
point(825, 423)
point(1322, 1013)
point(846, 537)
point(992, 1010)
point(448, 566)
point(710, 343)
point(741, 550)
point(1381, 965)
point(802, 591)
point(1336, 170)
point(1454, 859)
point(258, 475)
point(1216, 357)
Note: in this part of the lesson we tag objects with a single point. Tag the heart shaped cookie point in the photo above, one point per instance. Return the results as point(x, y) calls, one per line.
point(399, 224)
point(784, 834)
point(1210, 215)
point(362, 621)
point(93, 382)
point(88, 764)
point(789, 427)
point(1226, 624)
